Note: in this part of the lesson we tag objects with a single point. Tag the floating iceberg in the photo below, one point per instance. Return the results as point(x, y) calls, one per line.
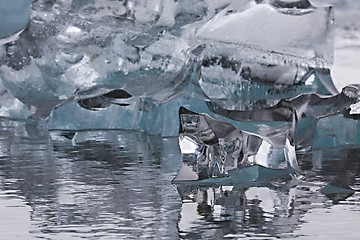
point(70, 49)
point(133, 64)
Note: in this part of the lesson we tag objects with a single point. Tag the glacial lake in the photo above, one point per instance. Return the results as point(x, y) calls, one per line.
point(117, 185)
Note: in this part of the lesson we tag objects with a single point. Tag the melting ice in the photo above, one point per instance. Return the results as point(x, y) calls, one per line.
point(259, 87)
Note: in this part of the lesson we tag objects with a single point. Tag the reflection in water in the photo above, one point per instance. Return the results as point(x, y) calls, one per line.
point(269, 212)
point(117, 185)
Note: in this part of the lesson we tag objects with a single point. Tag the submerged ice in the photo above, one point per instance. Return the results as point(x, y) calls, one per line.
point(260, 88)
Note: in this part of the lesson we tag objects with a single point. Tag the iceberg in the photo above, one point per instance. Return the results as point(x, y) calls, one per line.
point(70, 49)
point(215, 149)
point(194, 65)
point(259, 87)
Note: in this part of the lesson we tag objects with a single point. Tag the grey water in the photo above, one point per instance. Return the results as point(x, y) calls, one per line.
point(117, 185)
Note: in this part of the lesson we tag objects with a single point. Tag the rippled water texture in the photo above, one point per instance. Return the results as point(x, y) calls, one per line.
point(117, 185)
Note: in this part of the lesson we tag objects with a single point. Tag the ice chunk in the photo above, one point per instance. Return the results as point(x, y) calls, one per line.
point(287, 30)
point(133, 64)
point(337, 189)
point(71, 46)
point(337, 186)
point(315, 127)
point(11, 107)
point(130, 45)
point(312, 116)
point(259, 61)
point(215, 149)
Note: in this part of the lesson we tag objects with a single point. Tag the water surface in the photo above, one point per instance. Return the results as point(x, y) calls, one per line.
point(117, 185)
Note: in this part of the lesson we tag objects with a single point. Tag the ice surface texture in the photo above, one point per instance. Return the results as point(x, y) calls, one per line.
point(211, 148)
point(133, 64)
point(14, 16)
point(74, 50)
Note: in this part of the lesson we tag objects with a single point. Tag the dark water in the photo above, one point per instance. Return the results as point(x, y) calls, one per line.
point(117, 185)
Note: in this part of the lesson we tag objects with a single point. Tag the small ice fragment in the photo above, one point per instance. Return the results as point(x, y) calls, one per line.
point(355, 108)
point(186, 173)
point(337, 189)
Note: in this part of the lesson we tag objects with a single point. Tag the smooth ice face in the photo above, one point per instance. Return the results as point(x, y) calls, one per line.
point(14, 16)
point(215, 149)
point(287, 31)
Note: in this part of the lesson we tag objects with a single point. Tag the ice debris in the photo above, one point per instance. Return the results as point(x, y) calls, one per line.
point(337, 189)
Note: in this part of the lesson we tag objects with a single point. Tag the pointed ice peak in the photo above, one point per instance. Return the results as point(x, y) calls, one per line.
point(186, 173)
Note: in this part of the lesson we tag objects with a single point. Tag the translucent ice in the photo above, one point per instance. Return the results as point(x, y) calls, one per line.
point(258, 61)
point(133, 64)
point(14, 16)
point(212, 148)
point(300, 33)
point(72, 47)
point(251, 78)
point(312, 117)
